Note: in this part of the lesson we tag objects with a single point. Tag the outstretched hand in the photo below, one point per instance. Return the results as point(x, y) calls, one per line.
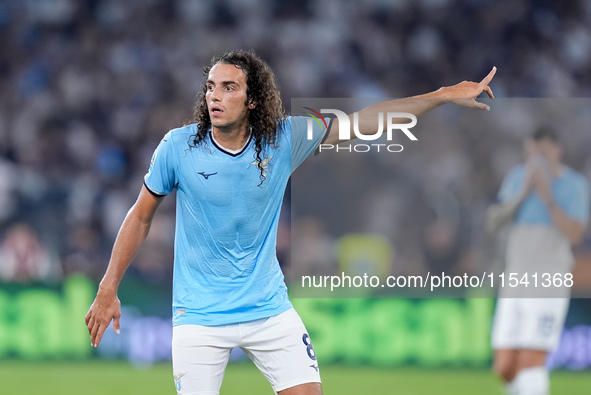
point(106, 307)
point(465, 93)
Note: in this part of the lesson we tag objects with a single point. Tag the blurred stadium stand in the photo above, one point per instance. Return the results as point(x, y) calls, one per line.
point(88, 88)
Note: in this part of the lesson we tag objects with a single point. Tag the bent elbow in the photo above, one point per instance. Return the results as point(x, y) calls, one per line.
point(139, 216)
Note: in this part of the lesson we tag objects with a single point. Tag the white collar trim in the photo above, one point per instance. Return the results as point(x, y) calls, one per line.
point(233, 152)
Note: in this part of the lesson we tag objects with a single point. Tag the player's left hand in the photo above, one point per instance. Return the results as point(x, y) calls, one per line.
point(465, 93)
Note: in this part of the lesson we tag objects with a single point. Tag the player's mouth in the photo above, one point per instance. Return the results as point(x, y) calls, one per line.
point(215, 111)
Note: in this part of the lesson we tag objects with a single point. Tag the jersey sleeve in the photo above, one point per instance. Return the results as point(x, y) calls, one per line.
point(305, 139)
point(512, 184)
point(161, 177)
point(579, 201)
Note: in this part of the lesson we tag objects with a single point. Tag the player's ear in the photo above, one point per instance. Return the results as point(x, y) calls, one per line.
point(251, 104)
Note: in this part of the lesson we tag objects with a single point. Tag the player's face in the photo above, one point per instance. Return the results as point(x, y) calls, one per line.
point(550, 150)
point(545, 148)
point(530, 149)
point(226, 97)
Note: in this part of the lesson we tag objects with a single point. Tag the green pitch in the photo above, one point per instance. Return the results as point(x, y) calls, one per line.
point(115, 377)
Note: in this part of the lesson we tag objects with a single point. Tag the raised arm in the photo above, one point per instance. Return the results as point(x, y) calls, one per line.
point(463, 94)
point(571, 228)
point(133, 232)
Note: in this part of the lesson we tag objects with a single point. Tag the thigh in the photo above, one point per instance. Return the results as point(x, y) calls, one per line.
point(200, 355)
point(281, 348)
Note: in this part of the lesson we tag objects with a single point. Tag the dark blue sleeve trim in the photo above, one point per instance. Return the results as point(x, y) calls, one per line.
point(151, 191)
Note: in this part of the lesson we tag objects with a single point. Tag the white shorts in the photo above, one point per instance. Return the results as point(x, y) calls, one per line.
point(528, 323)
point(279, 346)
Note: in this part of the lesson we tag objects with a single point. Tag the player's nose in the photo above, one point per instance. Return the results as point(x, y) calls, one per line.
point(214, 95)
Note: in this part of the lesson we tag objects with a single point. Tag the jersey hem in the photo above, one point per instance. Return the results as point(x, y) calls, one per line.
point(230, 319)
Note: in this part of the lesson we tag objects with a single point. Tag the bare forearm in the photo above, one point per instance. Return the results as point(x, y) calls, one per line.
point(573, 230)
point(106, 306)
point(416, 105)
point(129, 239)
point(367, 121)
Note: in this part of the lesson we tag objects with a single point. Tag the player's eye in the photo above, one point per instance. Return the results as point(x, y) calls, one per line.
point(210, 88)
point(229, 88)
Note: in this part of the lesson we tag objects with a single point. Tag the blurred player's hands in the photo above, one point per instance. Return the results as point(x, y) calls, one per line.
point(105, 308)
point(539, 176)
point(542, 186)
point(530, 178)
point(465, 93)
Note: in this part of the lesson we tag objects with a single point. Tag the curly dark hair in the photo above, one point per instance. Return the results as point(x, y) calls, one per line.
point(261, 89)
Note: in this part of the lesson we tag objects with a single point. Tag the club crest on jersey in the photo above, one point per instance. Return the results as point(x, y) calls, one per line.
point(265, 165)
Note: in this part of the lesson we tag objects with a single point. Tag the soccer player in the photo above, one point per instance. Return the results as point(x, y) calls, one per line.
point(230, 167)
point(547, 203)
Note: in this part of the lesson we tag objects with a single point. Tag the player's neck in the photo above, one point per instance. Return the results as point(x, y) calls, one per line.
point(232, 139)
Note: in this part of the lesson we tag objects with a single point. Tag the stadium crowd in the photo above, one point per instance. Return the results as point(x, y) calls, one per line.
point(88, 88)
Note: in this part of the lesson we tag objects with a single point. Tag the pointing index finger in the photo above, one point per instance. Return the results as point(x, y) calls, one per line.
point(489, 77)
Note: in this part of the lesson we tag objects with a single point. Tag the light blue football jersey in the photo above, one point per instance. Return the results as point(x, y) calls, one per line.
point(225, 264)
point(570, 191)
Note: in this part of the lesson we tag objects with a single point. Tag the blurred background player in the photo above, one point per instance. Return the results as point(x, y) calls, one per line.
point(230, 167)
point(547, 204)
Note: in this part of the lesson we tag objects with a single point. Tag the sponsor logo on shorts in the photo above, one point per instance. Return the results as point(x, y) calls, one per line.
point(180, 312)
